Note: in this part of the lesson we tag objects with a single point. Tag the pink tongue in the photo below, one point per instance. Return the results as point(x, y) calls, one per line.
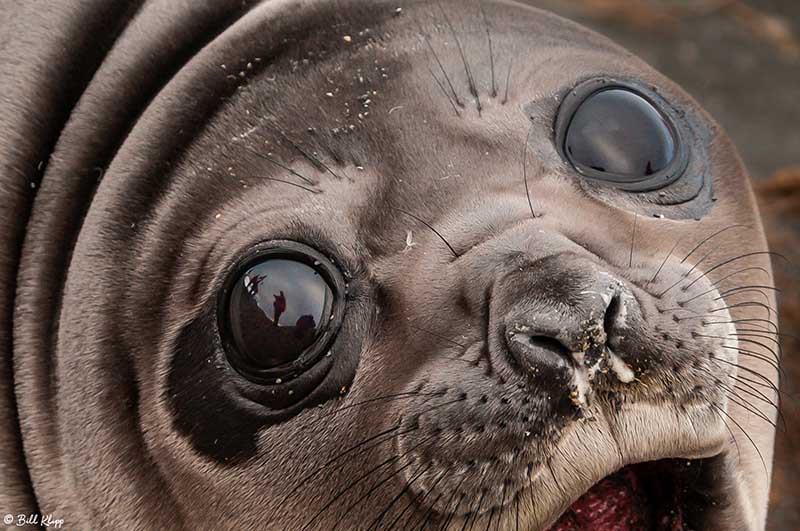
point(614, 504)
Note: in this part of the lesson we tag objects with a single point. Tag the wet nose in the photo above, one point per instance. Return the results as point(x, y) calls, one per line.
point(566, 315)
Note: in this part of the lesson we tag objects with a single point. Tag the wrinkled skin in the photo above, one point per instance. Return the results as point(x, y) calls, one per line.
point(138, 165)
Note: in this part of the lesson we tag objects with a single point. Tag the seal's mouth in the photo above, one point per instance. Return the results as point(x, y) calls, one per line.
point(664, 495)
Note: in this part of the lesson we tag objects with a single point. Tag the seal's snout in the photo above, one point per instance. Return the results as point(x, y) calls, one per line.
point(561, 327)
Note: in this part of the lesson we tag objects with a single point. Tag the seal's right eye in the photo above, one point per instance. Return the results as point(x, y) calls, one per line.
point(282, 310)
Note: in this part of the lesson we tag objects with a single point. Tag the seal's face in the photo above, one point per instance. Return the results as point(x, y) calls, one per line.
point(444, 267)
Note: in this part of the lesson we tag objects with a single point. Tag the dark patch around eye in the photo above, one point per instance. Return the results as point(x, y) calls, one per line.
point(216, 421)
point(222, 412)
point(222, 415)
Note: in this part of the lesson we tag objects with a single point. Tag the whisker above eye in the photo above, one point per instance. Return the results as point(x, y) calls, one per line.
point(491, 48)
point(508, 78)
point(473, 89)
point(427, 40)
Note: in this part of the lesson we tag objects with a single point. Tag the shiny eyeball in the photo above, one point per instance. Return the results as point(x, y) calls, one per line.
point(280, 312)
point(617, 135)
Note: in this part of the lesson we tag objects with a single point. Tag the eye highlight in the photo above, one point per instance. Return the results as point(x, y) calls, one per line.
point(615, 133)
point(282, 308)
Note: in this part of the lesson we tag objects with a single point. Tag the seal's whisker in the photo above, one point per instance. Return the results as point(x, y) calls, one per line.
point(473, 89)
point(318, 163)
point(428, 225)
point(508, 78)
point(364, 476)
point(419, 472)
point(732, 321)
point(444, 91)
point(475, 512)
point(741, 289)
point(762, 399)
point(709, 238)
point(766, 380)
point(290, 183)
point(665, 261)
point(633, 239)
point(715, 289)
point(740, 271)
point(754, 385)
point(502, 502)
point(446, 525)
point(446, 522)
point(755, 393)
point(745, 340)
point(372, 490)
point(770, 309)
point(491, 518)
point(366, 446)
point(491, 49)
point(755, 355)
point(525, 171)
point(734, 259)
point(439, 336)
point(742, 403)
point(281, 165)
point(429, 513)
point(398, 396)
point(696, 264)
point(427, 40)
point(400, 495)
point(759, 335)
point(751, 384)
point(779, 334)
point(723, 279)
point(755, 446)
point(749, 406)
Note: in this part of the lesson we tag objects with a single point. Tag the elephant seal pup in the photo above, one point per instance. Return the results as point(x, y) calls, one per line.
point(319, 265)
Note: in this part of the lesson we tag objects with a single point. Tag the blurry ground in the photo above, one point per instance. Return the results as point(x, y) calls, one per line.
point(741, 60)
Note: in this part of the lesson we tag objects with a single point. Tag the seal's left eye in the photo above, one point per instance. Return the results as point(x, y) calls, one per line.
point(281, 311)
point(616, 134)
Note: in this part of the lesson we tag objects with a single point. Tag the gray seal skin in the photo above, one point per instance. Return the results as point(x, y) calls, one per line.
point(513, 331)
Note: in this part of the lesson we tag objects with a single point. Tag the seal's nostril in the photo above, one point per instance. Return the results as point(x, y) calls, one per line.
point(539, 355)
point(549, 344)
point(614, 317)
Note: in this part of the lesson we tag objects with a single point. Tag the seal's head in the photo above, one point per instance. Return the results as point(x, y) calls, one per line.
point(445, 266)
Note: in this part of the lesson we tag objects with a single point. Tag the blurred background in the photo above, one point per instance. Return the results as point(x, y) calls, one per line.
point(741, 60)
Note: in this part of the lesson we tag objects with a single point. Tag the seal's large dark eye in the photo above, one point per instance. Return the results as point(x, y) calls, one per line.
point(617, 135)
point(282, 310)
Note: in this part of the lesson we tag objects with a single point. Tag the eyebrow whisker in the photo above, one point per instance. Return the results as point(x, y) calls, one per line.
point(470, 80)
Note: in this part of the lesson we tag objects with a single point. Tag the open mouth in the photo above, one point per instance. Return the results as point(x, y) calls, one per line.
point(665, 495)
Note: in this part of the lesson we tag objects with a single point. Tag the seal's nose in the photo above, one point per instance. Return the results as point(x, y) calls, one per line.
point(567, 314)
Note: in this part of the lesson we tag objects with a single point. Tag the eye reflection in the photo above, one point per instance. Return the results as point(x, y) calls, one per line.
point(616, 131)
point(277, 310)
